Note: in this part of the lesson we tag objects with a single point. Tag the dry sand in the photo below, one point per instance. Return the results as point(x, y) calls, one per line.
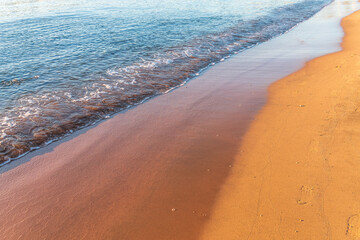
point(297, 175)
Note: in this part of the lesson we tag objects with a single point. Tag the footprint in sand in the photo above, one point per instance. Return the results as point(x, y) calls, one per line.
point(306, 195)
point(353, 227)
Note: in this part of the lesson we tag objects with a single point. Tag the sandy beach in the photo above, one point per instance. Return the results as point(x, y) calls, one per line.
point(222, 157)
point(297, 174)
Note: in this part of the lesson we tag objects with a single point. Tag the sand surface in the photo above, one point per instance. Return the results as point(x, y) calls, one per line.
point(297, 175)
point(155, 171)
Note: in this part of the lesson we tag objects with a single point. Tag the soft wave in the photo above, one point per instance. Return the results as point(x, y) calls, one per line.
point(37, 119)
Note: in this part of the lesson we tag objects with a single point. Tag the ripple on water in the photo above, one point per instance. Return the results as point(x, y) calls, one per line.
point(45, 107)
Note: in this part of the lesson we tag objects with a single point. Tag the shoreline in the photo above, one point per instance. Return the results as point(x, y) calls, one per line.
point(26, 127)
point(160, 166)
point(297, 175)
point(25, 157)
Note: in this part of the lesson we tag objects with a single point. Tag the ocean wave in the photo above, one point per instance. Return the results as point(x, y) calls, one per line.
point(37, 119)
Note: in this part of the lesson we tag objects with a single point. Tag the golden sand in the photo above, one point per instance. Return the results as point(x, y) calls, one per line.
point(297, 174)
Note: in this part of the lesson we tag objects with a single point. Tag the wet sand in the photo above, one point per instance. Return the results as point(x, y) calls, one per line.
point(297, 174)
point(156, 171)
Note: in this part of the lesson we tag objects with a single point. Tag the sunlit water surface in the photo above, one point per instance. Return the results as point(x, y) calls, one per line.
point(67, 64)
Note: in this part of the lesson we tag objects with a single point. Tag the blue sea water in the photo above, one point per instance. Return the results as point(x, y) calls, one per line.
point(66, 64)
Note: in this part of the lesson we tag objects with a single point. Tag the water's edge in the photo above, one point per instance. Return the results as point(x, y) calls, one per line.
point(24, 150)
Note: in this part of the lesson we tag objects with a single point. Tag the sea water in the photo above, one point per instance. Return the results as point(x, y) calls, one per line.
point(67, 64)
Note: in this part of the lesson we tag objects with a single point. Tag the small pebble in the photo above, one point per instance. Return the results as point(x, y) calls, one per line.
point(208, 169)
point(173, 209)
point(301, 105)
point(230, 165)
